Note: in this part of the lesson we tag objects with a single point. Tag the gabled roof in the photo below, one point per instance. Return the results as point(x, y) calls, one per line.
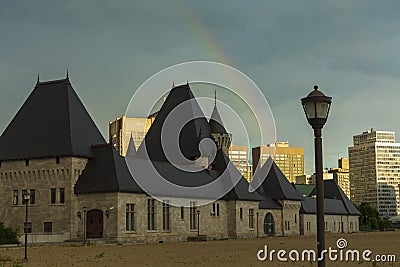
point(241, 190)
point(275, 185)
point(216, 124)
point(333, 191)
point(52, 122)
point(106, 172)
point(131, 150)
point(189, 135)
point(331, 206)
point(305, 189)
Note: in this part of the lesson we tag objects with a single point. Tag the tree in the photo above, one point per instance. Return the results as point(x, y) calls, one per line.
point(8, 235)
point(370, 217)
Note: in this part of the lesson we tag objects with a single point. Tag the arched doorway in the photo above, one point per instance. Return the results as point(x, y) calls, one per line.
point(94, 224)
point(269, 224)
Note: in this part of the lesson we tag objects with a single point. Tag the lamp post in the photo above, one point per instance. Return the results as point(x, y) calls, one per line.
point(316, 107)
point(84, 225)
point(198, 222)
point(257, 222)
point(26, 196)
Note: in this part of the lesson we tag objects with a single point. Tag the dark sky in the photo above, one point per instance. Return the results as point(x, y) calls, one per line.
point(349, 48)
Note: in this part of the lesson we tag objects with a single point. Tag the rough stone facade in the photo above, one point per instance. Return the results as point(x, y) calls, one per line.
point(41, 175)
point(218, 220)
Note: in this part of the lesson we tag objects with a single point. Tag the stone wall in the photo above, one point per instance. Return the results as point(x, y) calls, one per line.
point(40, 175)
point(333, 223)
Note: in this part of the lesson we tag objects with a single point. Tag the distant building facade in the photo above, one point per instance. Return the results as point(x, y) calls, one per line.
point(122, 129)
point(374, 170)
point(289, 159)
point(341, 175)
point(239, 155)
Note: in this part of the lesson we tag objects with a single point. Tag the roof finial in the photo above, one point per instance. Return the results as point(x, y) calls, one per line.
point(67, 75)
point(38, 79)
point(215, 97)
point(173, 84)
point(187, 81)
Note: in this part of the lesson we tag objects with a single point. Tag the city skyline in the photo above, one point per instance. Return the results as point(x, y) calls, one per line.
point(348, 49)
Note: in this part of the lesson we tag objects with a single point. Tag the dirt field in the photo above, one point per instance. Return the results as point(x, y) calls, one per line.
point(213, 253)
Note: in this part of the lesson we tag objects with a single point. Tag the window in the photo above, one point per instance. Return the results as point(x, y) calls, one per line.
point(23, 194)
point(287, 225)
point(151, 214)
point(48, 227)
point(182, 213)
point(130, 217)
point(213, 212)
point(33, 195)
point(241, 213)
point(166, 216)
point(251, 218)
point(193, 224)
point(15, 197)
point(217, 209)
point(27, 162)
point(62, 195)
point(57, 160)
point(29, 227)
point(295, 218)
point(53, 196)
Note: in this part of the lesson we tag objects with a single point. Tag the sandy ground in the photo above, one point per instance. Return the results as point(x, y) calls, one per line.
point(212, 253)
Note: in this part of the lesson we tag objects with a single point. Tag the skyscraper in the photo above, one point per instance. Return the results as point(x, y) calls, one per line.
point(341, 175)
point(374, 161)
point(289, 159)
point(122, 129)
point(239, 156)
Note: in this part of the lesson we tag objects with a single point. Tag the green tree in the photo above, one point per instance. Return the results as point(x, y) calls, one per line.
point(8, 235)
point(370, 217)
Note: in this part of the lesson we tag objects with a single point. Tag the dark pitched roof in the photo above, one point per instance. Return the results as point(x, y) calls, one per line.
point(241, 190)
point(131, 151)
point(305, 189)
point(106, 172)
point(52, 122)
point(216, 124)
point(275, 185)
point(333, 191)
point(189, 135)
point(331, 206)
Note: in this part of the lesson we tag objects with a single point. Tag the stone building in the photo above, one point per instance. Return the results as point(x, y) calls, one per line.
point(80, 186)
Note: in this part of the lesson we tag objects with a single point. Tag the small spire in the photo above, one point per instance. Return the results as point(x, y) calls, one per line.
point(67, 75)
point(215, 97)
point(173, 84)
point(38, 79)
point(187, 81)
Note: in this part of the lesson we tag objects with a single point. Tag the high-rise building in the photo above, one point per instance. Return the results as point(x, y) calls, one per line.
point(239, 156)
point(122, 129)
point(289, 159)
point(341, 175)
point(374, 168)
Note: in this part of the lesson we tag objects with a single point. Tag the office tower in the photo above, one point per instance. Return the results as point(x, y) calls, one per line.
point(289, 159)
point(122, 129)
point(341, 175)
point(239, 156)
point(374, 168)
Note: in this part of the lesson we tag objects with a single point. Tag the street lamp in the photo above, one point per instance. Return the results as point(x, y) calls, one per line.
point(257, 222)
point(84, 225)
point(198, 222)
point(26, 196)
point(316, 107)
